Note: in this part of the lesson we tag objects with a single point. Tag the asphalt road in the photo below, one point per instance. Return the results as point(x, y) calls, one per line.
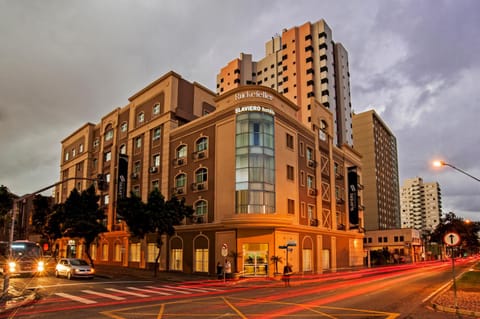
point(404, 291)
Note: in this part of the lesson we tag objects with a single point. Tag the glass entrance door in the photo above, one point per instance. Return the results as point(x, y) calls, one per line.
point(255, 260)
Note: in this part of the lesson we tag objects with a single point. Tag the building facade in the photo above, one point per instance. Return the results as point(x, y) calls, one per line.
point(301, 63)
point(421, 204)
point(378, 146)
point(256, 176)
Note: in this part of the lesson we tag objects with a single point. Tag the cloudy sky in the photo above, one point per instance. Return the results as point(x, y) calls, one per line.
point(64, 63)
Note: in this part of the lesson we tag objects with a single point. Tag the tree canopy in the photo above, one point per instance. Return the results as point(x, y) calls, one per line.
point(467, 230)
point(157, 216)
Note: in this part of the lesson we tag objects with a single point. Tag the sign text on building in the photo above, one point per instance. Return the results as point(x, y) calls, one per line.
point(257, 93)
point(254, 108)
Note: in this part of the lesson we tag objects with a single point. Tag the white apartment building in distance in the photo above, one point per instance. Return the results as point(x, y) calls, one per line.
point(421, 204)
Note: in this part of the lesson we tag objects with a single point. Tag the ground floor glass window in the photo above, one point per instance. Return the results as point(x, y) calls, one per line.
point(201, 260)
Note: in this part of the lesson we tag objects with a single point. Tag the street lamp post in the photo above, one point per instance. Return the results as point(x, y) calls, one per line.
point(442, 163)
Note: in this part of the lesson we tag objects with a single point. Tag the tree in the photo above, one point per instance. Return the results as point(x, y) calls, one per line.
point(83, 218)
point(47, 220)
point(6, 205)
point(468, 231)
point(275, 260)
point(156, 216)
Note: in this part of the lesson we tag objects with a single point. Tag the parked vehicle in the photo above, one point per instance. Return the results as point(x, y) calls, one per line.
point(73, 268)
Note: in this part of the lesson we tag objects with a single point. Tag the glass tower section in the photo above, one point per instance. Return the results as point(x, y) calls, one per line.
point(255, 163)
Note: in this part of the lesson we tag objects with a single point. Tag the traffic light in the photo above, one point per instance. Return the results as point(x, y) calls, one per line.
point(101, 182)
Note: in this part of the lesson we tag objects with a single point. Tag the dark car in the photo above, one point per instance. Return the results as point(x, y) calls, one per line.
point(73, 267)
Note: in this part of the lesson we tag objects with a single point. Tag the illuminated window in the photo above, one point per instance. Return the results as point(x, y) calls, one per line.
point(201, 260)
point(117, 252)
point(307, 259)
point(152, 252)
point(134, 252)
point(201, 208)
point(201, 144)
point(176, 259)
point(181, 151)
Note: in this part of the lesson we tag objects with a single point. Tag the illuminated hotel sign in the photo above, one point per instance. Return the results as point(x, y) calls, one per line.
point(254, 108)
point(258, 93)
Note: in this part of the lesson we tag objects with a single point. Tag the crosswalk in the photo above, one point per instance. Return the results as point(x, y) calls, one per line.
point(88, 296)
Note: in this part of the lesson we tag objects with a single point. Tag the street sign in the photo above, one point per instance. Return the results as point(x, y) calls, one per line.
point(451, 239)
point(224, 250)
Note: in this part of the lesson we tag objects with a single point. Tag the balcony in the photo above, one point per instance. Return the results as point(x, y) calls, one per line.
point(312, 192)
point(199, 186)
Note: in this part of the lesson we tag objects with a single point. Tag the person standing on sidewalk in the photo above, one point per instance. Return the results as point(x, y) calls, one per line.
point(287, 272)
point(228, 269)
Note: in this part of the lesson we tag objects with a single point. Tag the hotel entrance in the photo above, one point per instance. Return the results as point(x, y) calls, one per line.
point(255, 260)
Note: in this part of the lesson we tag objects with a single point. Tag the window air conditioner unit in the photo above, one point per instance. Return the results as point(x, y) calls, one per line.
point(153, 169)
point(311, 163)
point(200, 186)
point(180, 161)
point(312, 192)
point(201, 154)
point(134, 175)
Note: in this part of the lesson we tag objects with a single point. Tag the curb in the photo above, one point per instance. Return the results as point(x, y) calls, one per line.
point(9, 302)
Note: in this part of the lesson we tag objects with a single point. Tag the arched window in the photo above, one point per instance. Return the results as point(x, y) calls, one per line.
point(181, 151)
point(108, 132)
point(140, 117)
point(201, 144)
point(156, 109)
point(180, 180)
point(123, 149)
point(124, 127)
point(201, 208)
point(201, 175)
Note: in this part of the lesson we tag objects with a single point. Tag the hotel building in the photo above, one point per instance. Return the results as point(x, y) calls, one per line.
point(257, 176)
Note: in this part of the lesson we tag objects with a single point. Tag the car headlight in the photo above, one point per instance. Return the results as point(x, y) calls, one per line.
point(41, 266)
point(11, 266)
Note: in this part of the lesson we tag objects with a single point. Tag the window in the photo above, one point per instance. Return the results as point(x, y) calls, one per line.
point(136, 190)
point(180, 180)
point(124, 127)
point(94, 163)
point(290, 173)
point(201, 208)
point(310, 212)
point(136, 167)
point(108, 135)
point(134, 252)
point(107, 156)
point(291, 206)
point(181, 151)
point(201, 260)
point(138, 142)
point(176, 259)
point(104, 251)
point(106, 199)
point(67, 155)
point(117, 252)
point(156, 160)
point(307, 259)
point(80, 148)
point(303, 210)
point(93, 251)
point(255, 163)
point(155, 185)
point(309, 154)
point(96, 142)
point(123, 149)
point(157, 133)
point(310, 181)
point(201, 175)
point(156, 109)
point(290, 141)
point(140, 117)
point(202, 144)
point(152, 252)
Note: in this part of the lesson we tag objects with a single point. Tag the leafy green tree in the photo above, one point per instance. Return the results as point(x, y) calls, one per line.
point(276, 260)
point(83, 218)
point(467, 230)
point(157, 216)
point(47, 220)
point(6, 204)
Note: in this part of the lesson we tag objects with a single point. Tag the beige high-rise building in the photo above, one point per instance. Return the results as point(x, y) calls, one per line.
point(301, 63)
point(421, 204)
point(378, 147)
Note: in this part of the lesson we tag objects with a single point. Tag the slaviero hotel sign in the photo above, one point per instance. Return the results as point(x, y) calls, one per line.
point(254, 108)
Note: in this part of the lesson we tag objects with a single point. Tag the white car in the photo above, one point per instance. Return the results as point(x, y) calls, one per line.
point(73, 267)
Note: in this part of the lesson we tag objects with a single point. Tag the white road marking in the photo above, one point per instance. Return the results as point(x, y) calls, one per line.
point(75, 298)
point(169, 289)
point(127, 292)
point(101, 294)
point(151, 291)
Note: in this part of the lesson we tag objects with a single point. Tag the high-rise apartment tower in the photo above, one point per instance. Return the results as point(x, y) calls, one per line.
point(421, 204)
point(378, 146)
point(301, 63)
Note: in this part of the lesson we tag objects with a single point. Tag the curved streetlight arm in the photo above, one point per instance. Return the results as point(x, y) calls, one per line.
point(460, 170)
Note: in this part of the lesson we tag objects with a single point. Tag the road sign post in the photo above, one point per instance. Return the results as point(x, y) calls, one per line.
point(452, 239)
